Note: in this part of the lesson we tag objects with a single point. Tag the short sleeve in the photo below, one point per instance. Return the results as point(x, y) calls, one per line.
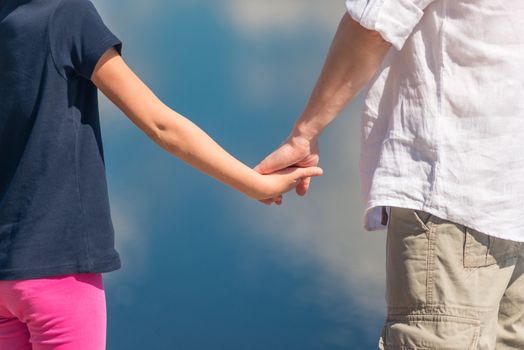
point(78, 37)
point(393, 19)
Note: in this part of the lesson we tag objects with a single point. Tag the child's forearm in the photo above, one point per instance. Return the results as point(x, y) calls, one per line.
point(170, 130)
point(185, 140)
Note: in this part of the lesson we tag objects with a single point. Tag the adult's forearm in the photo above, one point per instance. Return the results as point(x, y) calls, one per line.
point(353, 59)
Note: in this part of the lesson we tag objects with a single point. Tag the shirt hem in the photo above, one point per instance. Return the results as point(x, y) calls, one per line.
point(430, 210)
point(99, 266)
point(97, 52)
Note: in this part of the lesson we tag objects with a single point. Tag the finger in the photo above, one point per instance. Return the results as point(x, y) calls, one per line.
point(303, 186)
point(278, 160)
point(270, 201)
point(304, 173)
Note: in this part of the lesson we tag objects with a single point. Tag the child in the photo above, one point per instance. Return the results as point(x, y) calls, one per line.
point(56, 235)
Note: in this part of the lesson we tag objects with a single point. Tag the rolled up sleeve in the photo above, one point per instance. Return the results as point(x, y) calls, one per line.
point(393, 19)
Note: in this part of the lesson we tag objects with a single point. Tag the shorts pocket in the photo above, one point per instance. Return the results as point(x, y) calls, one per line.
point(482, 250)
point(430, 332)
point(423, 218)
point(409, 220)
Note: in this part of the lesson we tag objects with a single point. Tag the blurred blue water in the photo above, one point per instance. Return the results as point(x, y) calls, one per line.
point(192, 278)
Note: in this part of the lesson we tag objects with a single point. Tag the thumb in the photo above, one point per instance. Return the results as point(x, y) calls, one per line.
point(258, 169)
point(270, 164)
point(308, 172)
point(278, 160)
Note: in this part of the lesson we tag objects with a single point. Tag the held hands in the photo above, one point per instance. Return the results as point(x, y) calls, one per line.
point(297, 151)
point(275, 184)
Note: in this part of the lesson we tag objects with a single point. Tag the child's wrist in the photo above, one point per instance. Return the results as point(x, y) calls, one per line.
point(253, 188)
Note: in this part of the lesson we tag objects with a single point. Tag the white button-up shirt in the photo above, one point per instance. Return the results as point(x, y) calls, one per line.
point(443, 121)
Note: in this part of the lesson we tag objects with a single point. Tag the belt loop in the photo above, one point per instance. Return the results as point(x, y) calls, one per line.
point(384, 218)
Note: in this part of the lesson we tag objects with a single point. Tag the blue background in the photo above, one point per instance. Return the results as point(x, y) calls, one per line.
point(203, 266)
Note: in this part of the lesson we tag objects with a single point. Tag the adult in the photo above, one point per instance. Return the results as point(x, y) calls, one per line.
point(441, 161)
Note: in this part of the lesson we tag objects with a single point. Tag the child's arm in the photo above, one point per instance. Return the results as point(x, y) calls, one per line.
point(182, 138)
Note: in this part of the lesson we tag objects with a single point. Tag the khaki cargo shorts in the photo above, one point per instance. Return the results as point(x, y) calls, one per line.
point(451, 287)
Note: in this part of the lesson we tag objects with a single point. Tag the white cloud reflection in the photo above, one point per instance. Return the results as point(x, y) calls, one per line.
point(324, 228)
point(133, 246)
point(259, 17)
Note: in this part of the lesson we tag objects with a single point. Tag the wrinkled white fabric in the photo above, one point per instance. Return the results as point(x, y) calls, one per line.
point(443, 121)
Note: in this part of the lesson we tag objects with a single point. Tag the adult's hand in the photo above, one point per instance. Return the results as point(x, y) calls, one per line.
point(297, 151)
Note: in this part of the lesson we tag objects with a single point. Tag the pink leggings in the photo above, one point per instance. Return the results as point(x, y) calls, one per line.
point(55, 313)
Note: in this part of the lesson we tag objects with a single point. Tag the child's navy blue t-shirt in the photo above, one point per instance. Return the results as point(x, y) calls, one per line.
point(54, 208)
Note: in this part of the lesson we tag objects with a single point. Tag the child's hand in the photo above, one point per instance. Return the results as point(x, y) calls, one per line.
point(275, 184)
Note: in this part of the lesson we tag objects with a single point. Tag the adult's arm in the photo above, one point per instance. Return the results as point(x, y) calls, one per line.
point(354, 57)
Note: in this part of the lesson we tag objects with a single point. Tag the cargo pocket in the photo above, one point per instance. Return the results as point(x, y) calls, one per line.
point(482, 250)
point(430, 332)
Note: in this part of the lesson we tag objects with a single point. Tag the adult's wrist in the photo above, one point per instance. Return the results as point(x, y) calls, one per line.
point(306, 130)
